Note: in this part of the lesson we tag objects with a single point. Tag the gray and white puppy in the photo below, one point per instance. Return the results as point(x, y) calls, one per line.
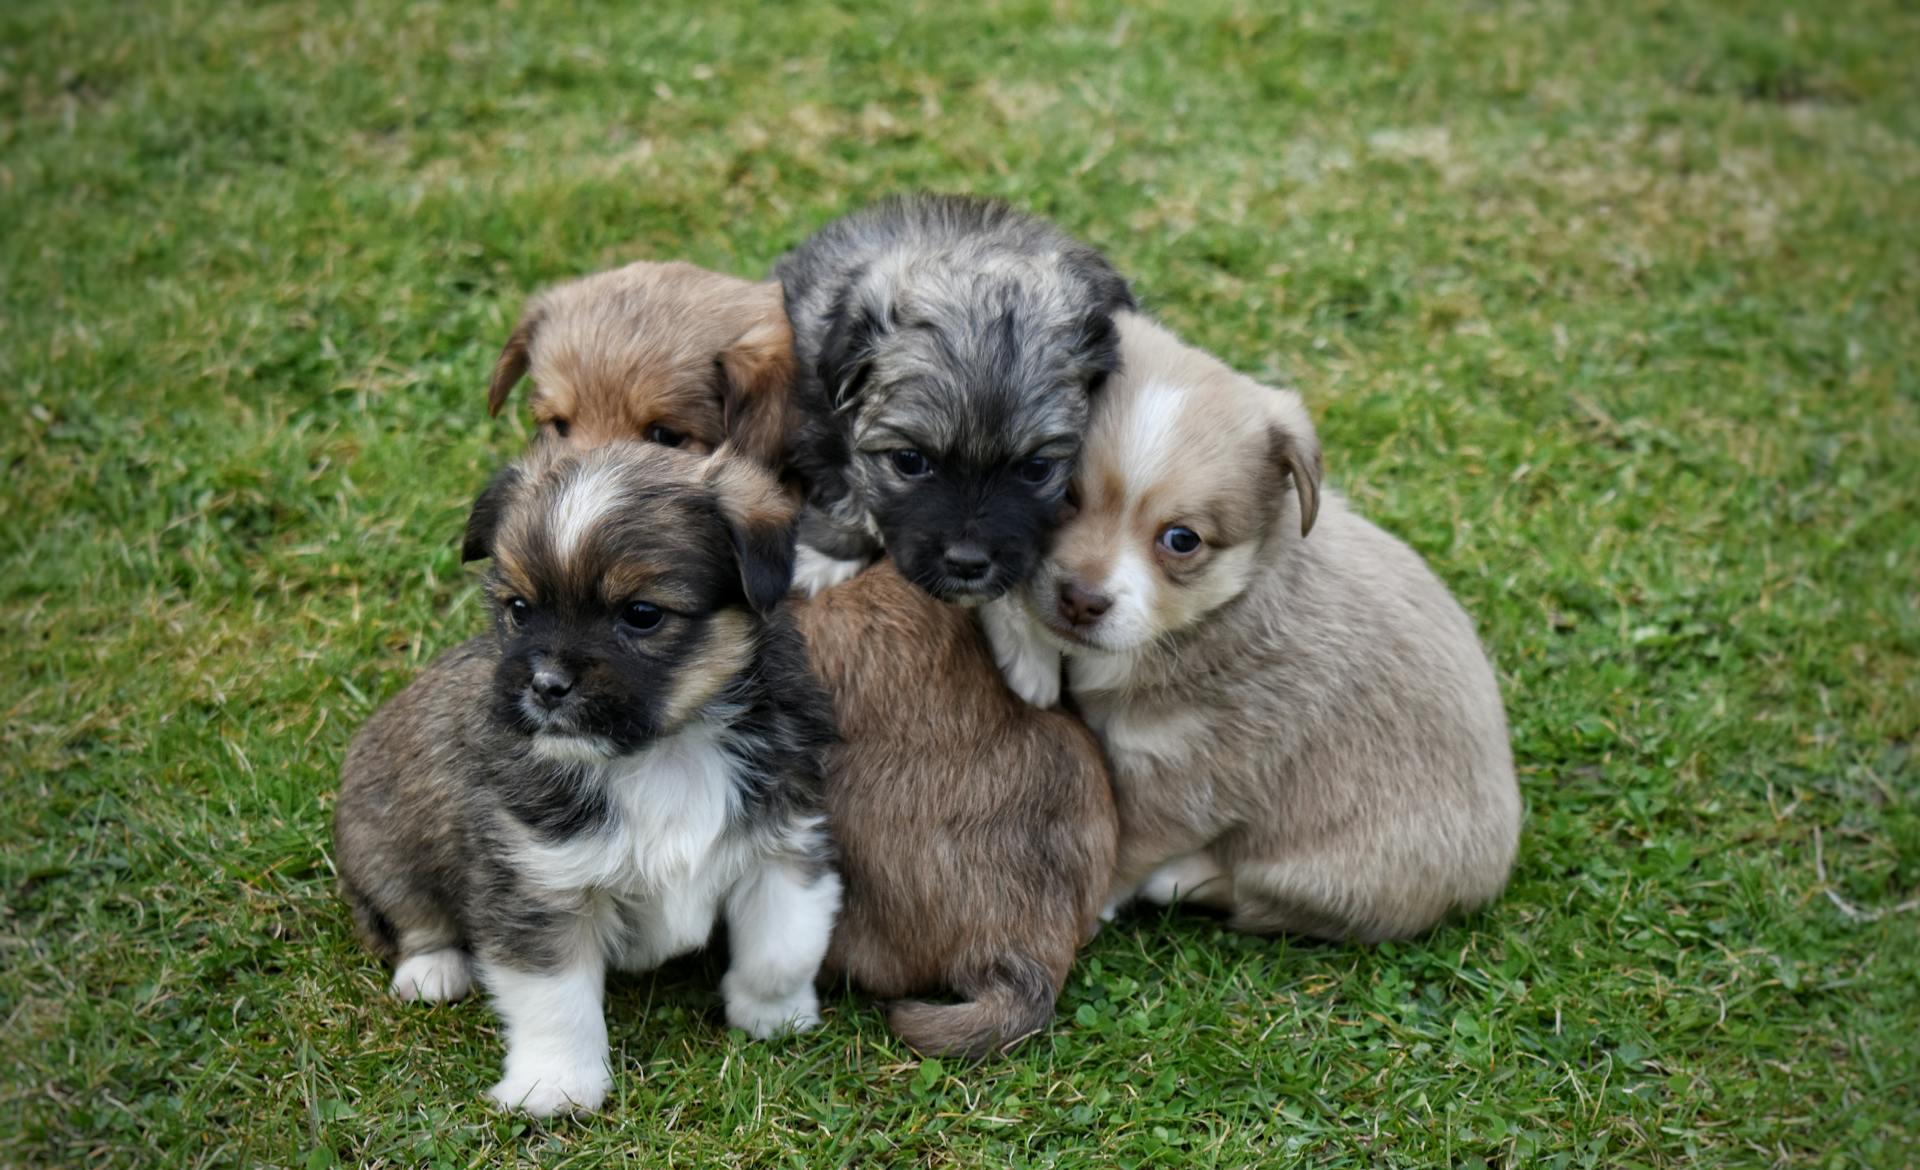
point(945, 351)
point(1304, 730)
point(633, 753)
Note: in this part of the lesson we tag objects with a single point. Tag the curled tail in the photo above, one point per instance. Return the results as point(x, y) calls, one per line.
point(1011, 1001)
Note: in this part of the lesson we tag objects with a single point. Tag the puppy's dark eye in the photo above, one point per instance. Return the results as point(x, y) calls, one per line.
point(1036, 470)
point(665, 436)
point(1181, 542)
point(518, 610)
point(1097, 383)
point(641, 618)
point(910, 463)
point(561, 426)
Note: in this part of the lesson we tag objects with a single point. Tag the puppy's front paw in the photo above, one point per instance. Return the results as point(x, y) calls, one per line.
point(814, 572)
point(546, 1088)
point(1035, 677)
point(433, 976)
point(761, 1017)
point(1030, 666)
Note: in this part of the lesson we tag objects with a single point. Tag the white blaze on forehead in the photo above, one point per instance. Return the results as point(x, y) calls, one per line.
point(1145, 438)
point(583, 502)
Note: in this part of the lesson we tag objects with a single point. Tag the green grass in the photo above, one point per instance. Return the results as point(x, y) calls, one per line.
point(1610, 310)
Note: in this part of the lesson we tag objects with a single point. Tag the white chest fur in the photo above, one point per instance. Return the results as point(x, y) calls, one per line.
point(654, 875)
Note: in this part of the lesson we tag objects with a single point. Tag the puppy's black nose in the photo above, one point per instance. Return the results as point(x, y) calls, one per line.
point(1080, 606)
point(550, 686)
point(967, 561)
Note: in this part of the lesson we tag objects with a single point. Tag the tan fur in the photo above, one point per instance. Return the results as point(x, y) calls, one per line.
point(1304, 730)
point(617, 354)
point(750, 500)
point(726, 652)
point(976, 832)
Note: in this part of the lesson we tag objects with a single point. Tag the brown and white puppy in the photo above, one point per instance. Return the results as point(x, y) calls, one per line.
point(669, 353)
point(1303, 727)
point(976, 832)
point(632, 754)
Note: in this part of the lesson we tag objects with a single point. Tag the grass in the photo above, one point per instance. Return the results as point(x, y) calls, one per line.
point(1612, 311)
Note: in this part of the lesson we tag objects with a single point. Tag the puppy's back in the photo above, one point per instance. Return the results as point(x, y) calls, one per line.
point(977, 833)
point(397, 828)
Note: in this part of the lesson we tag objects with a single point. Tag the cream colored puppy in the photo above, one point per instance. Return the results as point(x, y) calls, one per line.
point(1304, 730)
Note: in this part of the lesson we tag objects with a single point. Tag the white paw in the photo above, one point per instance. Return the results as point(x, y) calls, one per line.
point(544, 1089)
point(761, 1018)
point(1030, 666)
point(814, 572)
point(1033, 679)
point(433, 976)
point(1183, 880)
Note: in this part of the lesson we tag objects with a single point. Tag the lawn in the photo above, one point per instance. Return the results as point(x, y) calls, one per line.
point(1612, 311)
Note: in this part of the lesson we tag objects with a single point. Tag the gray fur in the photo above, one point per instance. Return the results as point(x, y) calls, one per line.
point(960, 328)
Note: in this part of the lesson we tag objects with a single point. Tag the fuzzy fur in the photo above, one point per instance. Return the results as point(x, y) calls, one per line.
point(953, 333)
point(976, 832)
point(1304, 730)
point(668, 353)
point(934, 813)
point(575, 791)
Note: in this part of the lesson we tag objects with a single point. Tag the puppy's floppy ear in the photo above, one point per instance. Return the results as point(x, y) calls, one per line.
point(1097, 336)
point(484, 521)
point(846, 352)
point(757, 387)
point(759, 518)
point(512, 363)
point(1295, 448)
point(1096, 343)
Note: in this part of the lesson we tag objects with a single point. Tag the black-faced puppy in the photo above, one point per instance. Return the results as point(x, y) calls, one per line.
point(632, 753)
point(670, 353)
point(945, 352)
point(976, 832)
point(1303, 727)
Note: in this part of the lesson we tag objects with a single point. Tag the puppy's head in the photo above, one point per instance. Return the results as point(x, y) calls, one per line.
point(629, 585)
point(669, 353)
point(965, 379)
point(1189, 471)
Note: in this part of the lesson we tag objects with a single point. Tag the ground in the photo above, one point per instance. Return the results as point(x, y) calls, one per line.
point(1610, 310)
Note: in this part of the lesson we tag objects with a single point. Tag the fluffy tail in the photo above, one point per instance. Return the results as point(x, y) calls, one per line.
point(1012, 1001)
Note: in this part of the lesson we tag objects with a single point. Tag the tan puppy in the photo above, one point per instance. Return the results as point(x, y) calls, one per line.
point(669, 353)
point(1303, 728)
point(976, 832)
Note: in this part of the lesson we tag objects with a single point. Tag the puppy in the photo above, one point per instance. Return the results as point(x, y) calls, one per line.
point(976, 833)
point(1304, 731)
point(946, 349)
point(632, 753)
point(976, 837)
point(670, 353)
